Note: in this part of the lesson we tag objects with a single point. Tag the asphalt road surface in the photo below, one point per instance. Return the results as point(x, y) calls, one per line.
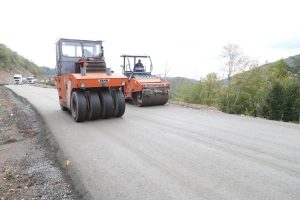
point(170, 152)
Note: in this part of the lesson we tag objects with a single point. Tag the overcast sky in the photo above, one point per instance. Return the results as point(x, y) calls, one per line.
point(186, 36)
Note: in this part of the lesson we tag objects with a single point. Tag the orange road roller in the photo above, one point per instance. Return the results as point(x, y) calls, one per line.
point(143, 88)
point(86, 87)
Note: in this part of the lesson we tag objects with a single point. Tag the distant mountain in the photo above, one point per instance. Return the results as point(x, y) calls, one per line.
point(293, 61)
point(12, 63)
point(294, 65)
point(47, 71)
point(178, 83)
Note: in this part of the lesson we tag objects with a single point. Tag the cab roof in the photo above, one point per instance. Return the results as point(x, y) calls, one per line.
point(77, 40)
point(135, 56)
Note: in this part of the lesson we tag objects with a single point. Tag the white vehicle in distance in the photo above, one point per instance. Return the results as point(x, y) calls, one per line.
point(18, 79)
point(31, 80)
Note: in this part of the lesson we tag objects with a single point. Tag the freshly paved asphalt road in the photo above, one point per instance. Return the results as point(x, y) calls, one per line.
point(169, 152)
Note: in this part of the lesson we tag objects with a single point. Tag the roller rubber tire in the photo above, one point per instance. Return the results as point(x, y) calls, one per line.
point(63, 108)
point(119, 103)
point(95, 106)
point(107, 106)
point(78, 106)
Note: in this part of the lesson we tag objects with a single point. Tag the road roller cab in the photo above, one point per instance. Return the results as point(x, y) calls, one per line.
point(143, 88)
point(85, 85)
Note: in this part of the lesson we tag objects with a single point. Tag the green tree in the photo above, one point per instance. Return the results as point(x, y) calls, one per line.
point(274, 103)
point(292, 102)
point(211, 89)
point(247, 93)
point(279, 71)
point(235, 63)
point(205, 92)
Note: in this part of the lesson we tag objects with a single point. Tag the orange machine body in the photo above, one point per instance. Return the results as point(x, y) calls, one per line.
point(135, 85)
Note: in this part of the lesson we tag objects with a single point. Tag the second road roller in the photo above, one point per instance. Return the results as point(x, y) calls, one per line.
point(143, 88)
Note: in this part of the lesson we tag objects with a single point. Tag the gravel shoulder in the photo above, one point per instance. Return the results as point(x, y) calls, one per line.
point(193, 106)
point(28, 167)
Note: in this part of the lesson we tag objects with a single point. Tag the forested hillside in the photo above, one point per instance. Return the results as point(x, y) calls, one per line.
point(178, 84)
point(271, 91)
point(48, 72)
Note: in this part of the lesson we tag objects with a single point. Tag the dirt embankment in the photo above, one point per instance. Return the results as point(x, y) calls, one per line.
point(6, 77)
point(27, 163)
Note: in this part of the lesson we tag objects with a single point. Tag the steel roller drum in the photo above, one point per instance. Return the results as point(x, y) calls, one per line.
point(151, 98)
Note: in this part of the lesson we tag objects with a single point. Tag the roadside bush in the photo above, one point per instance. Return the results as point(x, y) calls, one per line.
point(274, 102)
point(50, 82)
point(292, 102)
